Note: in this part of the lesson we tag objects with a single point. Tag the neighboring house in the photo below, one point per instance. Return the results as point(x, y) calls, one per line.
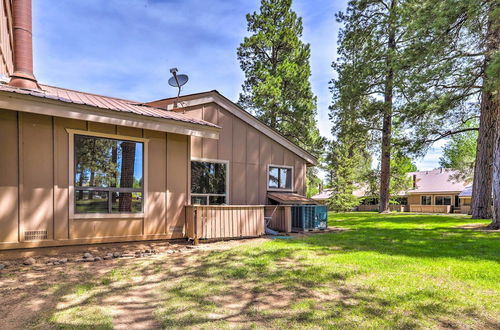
point(83, 168)
point(435, 191)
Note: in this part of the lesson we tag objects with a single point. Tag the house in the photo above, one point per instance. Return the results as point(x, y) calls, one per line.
point(436, 191)
point(79, 168)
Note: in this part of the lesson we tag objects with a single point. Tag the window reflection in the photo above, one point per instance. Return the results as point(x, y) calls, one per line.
point(113, 166)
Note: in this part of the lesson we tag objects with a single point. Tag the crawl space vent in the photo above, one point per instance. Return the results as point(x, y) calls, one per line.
point(35, 235)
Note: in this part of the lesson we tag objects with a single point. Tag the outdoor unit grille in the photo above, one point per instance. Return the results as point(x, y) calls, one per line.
point(309, 217)
point(35, 235)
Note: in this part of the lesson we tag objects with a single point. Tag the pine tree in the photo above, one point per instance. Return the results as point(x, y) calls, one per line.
point(277, 71)
point(369, 74)
point(454, 80)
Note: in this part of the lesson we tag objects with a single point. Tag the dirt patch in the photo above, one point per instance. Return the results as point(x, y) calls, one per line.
point(478, 226)
point(32, 292)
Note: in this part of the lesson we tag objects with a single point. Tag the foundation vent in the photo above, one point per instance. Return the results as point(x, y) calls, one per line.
point(35, 235)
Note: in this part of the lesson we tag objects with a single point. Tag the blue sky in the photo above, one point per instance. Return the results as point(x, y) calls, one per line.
point(125, 48)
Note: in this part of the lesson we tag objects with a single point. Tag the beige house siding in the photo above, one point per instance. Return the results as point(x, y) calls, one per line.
point(34, 183)
point(6, 40)
point(248, 151)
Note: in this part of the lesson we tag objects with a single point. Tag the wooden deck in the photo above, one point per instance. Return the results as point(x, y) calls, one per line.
point(224, 221)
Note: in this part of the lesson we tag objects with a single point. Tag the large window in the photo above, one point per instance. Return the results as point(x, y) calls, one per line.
point(208, 183)
point(426, 200)
point(280, 177)
point(443, 200)
point(108, 175)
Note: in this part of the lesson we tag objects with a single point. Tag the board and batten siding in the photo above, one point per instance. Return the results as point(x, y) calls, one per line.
point(6, 38)
point(34, 183)
point(249, 153)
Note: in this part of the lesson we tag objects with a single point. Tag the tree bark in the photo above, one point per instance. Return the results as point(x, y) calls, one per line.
point(385, 167)
point(483, 171)
point(495, 224)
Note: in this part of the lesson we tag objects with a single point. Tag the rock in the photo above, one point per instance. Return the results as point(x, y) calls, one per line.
point(146, 255)
point(97, 259)
point(2, 266)
point(63, 260)
point(29, 261)
point(50, 264)
point(108, 257)
point(88, 259)
point(80, 260)
point(117, 254)
point(56, 263)
point(170, 251)
point(87, 255)
point(52, 260)
point(190, 247)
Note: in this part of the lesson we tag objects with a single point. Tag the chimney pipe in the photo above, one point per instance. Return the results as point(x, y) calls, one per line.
point(23, 46)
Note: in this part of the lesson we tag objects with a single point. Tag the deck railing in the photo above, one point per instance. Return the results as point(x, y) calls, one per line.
point(224, 221)
point(430, 208)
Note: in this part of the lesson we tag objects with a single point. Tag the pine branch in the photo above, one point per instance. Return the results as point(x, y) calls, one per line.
point(449, 133)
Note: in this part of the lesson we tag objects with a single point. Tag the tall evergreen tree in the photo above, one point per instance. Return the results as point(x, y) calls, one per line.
point(458, 66)
point(369, 72)
point(277, 71)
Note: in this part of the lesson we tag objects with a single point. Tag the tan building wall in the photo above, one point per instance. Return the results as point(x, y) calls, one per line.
point(6, 40)
point(415, 199)
point(34, 183)
point(248, 151)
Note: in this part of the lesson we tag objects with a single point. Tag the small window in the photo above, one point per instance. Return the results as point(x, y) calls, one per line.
point(108, 175)
point(280, 178)
point(208, 183)
point(443, 200)
point(426, 200)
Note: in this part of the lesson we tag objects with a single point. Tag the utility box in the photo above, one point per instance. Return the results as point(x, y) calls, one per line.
point(309, 217)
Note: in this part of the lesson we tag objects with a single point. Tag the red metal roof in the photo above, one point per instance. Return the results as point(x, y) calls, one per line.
point(104, 102)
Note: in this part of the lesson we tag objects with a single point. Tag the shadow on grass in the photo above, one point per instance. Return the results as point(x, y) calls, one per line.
point(295, 283)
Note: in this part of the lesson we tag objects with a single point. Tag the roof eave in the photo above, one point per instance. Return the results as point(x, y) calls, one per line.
point(51, 107)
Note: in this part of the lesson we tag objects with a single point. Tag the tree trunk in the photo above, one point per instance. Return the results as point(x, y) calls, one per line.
point(385, 167)
point(495, 224)
point(481, 188)
point(483, 171)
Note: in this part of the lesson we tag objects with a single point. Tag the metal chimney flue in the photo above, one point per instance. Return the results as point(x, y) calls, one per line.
point(23, 76)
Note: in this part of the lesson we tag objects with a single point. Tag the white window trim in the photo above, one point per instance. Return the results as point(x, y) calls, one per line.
point(281, 189)
point(71, 145)
point(208, 160)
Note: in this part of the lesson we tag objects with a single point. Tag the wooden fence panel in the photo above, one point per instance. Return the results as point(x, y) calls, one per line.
point(221, 221)
point(430, 208)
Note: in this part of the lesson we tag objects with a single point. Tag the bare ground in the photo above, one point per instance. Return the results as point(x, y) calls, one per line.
point(29, 294)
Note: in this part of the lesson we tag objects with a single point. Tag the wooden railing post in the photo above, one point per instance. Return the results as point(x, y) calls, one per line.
point(288, 219)
point(195, 225)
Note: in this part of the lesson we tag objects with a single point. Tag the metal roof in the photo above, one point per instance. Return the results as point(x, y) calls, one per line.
point(435, 181)
point(104, 102)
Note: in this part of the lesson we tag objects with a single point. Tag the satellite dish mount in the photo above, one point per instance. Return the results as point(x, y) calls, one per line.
point(177, 80)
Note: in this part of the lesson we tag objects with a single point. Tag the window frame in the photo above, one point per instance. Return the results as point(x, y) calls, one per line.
point(208, 160)
point(444, 196)
point(421, 199)
point(71, 173)
point(292, 183)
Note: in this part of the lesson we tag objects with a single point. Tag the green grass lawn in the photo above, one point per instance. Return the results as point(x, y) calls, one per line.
point(385, 271)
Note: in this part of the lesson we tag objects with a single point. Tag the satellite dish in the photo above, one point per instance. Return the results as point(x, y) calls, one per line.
point(177, 81)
